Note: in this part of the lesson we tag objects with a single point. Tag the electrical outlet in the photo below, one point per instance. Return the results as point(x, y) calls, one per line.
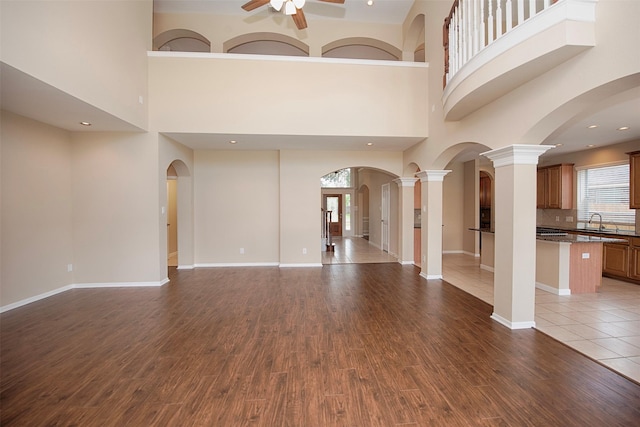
point(69, 268)
point(585, 255)
point(569, 219)
point(304, 251)
point(242, 251)
point(557, 218)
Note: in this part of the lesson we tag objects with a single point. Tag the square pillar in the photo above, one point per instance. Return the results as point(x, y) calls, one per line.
point(515, 234)
point(405, 227)
point(432, 182)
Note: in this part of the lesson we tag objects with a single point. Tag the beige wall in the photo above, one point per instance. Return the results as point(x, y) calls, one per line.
point(116, 215)
point(36, 224)
point(230, 95)
point(92, 50)
point(237, 206)
point(454, 209)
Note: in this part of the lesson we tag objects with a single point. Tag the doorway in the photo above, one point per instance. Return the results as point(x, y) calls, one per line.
point(172, 217)
point(333, 204)
point(386, 194)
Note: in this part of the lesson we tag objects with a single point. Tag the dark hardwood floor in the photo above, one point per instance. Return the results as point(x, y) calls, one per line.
point(355, 345)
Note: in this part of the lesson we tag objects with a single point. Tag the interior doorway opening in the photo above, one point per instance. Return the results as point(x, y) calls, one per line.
point(172, 216)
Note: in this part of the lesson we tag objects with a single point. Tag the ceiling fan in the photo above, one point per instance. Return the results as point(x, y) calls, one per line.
point(291, 7)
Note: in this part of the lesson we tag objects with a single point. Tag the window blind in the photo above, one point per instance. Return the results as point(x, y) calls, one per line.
point(605, 190)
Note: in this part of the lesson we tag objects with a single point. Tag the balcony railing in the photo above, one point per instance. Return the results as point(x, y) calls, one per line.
point(474, 24)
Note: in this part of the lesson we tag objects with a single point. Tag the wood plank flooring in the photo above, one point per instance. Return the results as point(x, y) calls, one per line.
point(352, 345)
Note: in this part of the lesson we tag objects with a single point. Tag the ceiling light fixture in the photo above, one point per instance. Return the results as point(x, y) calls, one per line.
point(592, 127)
point(369, 144)
point(591, 145)
point(290, 6)
point(233, 142)
point(559, 144)
point(85, 123)
point(624, 128)
point(370, 2)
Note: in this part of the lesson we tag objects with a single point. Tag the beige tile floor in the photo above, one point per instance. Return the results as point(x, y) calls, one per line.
point(604, 326)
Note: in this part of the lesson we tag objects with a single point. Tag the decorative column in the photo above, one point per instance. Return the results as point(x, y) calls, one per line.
point(432, 182)
point(405, 226)
point(515, 234)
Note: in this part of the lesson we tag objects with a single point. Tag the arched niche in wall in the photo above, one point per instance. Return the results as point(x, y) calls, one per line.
point(181, 40)
point(414, 41)
point(361, 48)
point(266, 44)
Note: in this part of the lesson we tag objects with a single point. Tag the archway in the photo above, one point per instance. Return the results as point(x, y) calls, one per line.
point(178, 214)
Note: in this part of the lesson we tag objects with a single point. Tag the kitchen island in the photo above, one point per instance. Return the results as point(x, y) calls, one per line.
point(565, 263)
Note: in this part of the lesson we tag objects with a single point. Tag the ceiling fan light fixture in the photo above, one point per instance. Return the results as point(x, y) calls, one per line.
point(289, 8)
point(277, 4)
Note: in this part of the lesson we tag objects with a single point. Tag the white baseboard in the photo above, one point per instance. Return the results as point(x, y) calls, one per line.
point(406, 262)
point(513, 325)
point(185, 267)
point(453, 252)
point(305, 265)
point(553, 290)
point(486, 267)
point(236, 264)
point(471, 254)
point(431, 276)
point(35, 298)
point(81, 286)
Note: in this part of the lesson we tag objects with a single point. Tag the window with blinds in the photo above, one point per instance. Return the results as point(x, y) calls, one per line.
point(605, 190)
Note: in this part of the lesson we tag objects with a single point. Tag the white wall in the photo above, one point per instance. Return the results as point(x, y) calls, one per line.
point(36, 228)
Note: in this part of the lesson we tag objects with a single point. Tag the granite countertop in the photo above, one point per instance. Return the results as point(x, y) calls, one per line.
point(584, 236)
point(580, 238)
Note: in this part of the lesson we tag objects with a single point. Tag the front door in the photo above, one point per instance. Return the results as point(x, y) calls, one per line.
point(333, 203)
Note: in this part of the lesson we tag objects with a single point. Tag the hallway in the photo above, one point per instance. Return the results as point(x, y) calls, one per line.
point(356, 250)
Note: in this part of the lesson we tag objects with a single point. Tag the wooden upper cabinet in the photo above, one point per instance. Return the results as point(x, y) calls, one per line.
point(634, 180)
point(485, 190)
point(555, 187)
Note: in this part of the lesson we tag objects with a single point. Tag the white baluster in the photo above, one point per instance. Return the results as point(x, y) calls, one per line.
point(546, 3)
point(490, 36)
point(499, 19)
point(508, 15)
point(483, 28)
point(469, 30)
point(532, 8)
point(520, 7)
point(476, 27)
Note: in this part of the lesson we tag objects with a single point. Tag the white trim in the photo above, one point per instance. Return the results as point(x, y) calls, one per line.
point(284, 58)
point(121, 285)
point(487, 267)
point(553, 290)
point(516, 154)
point(513, 325)
point(432, 175)
point(300, 265)
point(457, 251)
point(406, 262)
point(602, 165)
point(471, 254)
point(35, 298)
point(431, 276)
point(406, 182)
point(185, 267)
point(236, 264)
point(81, 286)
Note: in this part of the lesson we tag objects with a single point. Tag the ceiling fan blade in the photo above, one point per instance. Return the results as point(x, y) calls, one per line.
point(299, 19)
point(254, 4)
point(333, 1)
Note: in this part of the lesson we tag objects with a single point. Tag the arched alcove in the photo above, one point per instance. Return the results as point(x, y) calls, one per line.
point(414, 41)
point(361, 48)
point(265, 43)
point(181, 40)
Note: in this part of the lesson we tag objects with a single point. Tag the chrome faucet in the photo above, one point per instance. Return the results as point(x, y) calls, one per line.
point(601, 227)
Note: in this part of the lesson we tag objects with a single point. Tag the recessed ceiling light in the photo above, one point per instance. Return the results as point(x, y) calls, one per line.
point(592, 127)
point(85, 123)
point(233, 142)
point(370, 2)
point(591, 145)
point(369, 144)
point(624, 128)
point(558, 145)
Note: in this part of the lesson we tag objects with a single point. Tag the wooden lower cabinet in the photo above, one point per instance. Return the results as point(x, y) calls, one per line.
point(615, 259)
point(634, 263)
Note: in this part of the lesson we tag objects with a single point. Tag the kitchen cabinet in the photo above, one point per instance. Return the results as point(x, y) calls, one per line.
point(634, 259)
point(615, 259)
point(555, 187)
point(634, 180)
point(485, 190)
